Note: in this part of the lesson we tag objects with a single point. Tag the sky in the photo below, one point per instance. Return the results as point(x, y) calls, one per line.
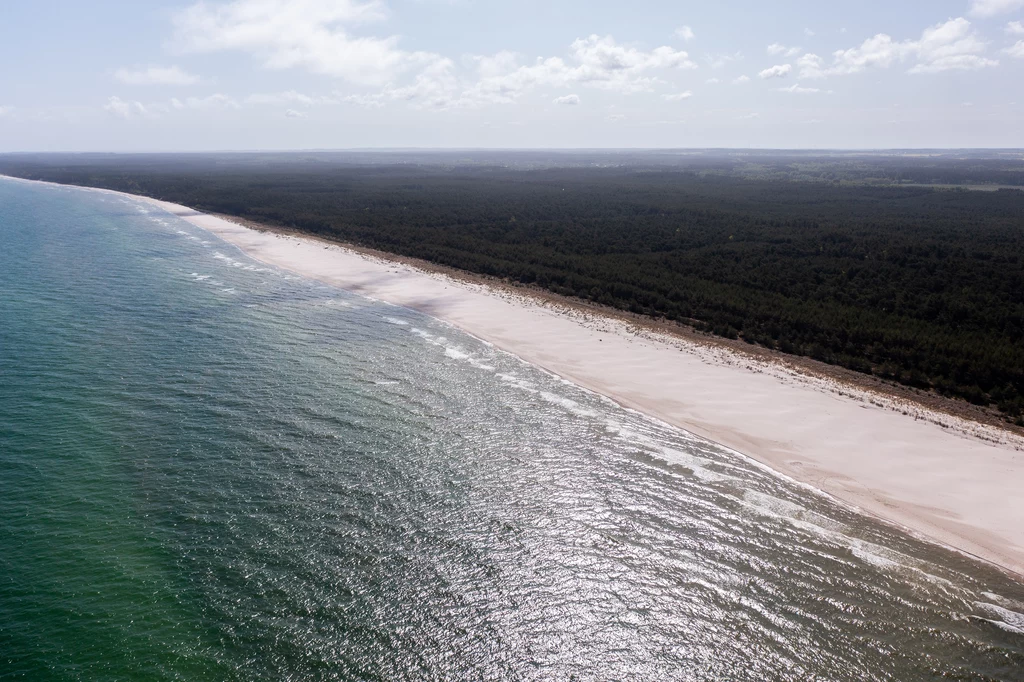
point(165, 75)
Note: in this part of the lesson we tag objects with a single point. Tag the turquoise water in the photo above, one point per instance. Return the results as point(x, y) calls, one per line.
point(211, 469)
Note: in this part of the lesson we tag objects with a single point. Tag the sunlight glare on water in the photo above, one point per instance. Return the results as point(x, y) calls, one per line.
point(212, 469)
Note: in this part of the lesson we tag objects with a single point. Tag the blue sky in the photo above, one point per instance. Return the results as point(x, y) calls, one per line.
point(326, 74)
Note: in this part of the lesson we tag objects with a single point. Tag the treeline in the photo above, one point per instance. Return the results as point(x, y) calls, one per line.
point(918, 286)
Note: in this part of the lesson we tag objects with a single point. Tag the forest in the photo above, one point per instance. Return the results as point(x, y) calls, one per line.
point(843, 258)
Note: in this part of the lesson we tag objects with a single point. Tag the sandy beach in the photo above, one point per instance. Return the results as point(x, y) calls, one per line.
point(953, 481)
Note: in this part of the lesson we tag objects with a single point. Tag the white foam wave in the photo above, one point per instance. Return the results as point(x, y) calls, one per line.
point(239, 264)
point(453, 351)
point(1011, 621)
point(567, 403)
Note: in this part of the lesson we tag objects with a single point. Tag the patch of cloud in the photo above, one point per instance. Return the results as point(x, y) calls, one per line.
point(569, 100)
point(990, 8)
point(740, 80)
point(4, 110)
point(712, 81)
point(616, 117)
point(435, 87)
point(123, 108)
point(214, 101)
point(288, 97)
point(678, 96)
point(155, 75)
point(597, 62)
point(1016, 50)
point(685, 32)
point(717, 61)
point(776, 49)
point(310, 34)
point(747, 117)
point(796, 89)
point(317, 35)
point(811, 66)
point(948, 46)
point(880, 51)
point(809, 33)
point(370, 101)
point(1015, 28)
point(777, 71)
point(292, 113)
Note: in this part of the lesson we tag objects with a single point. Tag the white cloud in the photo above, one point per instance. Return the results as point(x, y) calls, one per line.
point(811, 66)
point(878, 51)
point(367, 101)
point(4, 110)
point(594, 61)
point(616, 117)
point(712, 81)
point(685, 32)
point(679, 96)
point(776, 49)
point(214, 101)
point(1016, 50)
point(991, 8)
point(1015, 28)
point(747, 117)
point(155, 75)
point(434, 88)
point(740, 80)
point(497, 64)
point(797, 90)
point(601, 59)
point(279, 97)
point(597, 62)
point(290, 97)
point(309, 34)
point(124, 109)
point(717, 61)
point(777, 71)
point(570, 100)
point(943, 47)
point(947, 46)
point(292, 113)
point(809, 33)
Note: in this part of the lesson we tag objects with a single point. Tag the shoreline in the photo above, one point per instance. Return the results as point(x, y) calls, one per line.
point(949, 480)
point(950, 413)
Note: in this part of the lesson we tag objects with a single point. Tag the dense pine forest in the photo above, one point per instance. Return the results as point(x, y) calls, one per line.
point(843, 258)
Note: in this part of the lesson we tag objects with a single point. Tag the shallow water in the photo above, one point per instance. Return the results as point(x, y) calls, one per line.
point(213, 469)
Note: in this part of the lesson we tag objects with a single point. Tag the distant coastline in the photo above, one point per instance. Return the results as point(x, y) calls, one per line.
point(945, 478)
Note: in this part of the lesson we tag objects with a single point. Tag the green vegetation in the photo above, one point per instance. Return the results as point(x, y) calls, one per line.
point(921, 286)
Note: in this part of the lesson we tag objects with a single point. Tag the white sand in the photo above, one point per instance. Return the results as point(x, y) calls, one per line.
point(952, 481)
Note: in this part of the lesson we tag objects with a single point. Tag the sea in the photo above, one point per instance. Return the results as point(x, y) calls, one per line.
point(214, 469)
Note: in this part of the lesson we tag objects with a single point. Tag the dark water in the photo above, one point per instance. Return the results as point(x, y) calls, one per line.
point(214, 470)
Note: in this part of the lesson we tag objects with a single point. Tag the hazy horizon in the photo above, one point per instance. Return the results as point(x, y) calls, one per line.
point(364, 150)
point(271, 75)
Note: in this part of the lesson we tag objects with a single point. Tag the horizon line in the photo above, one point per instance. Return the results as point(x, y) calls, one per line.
point(308, 150)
